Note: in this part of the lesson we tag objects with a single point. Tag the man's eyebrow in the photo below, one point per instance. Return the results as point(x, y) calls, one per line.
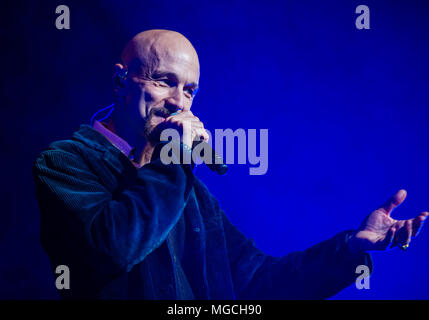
point(164, 74)
point(160, 73)
point(193, 85)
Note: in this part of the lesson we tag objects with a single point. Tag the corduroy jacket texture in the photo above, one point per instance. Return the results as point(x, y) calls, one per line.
point(156, 232)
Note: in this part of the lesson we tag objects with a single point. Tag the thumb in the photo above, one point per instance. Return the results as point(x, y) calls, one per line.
point(394, 201)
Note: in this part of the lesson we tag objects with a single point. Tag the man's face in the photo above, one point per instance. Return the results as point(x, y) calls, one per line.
point(167, 86)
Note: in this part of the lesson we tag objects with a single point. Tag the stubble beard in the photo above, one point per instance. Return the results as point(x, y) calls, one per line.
point(152, 129)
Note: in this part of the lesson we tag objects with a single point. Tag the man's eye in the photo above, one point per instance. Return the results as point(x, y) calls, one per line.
point(191, 92)
point(166, 82)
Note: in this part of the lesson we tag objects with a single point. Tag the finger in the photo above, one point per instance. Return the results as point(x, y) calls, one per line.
point(181, 115)
point(389, 237)
point(391, 233)
point(190, 123)
point(423, 215)
point(418, 223)
point(409, 231)
point(394, 201)
point(202, 134)
point(197, 124)
point(399, 227)
point(402, 234)
point(195, 121)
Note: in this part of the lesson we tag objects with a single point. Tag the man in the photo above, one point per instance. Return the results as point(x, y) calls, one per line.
point(129, 226)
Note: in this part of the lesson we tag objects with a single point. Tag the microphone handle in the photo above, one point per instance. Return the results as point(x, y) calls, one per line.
point(217, 164)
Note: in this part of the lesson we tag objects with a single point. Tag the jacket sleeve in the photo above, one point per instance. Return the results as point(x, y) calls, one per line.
point(318, 272)
point(123, 228)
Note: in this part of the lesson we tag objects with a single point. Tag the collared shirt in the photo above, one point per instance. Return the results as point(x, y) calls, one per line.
point(117, 141)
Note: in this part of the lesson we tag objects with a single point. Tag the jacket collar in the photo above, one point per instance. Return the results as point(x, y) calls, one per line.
point(92, 138)
point(96, 141)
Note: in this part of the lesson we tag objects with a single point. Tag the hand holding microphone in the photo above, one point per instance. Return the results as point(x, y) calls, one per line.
point(193, 134)
point(189, 127)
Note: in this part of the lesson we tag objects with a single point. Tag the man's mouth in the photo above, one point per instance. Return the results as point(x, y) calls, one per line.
point(162, 113)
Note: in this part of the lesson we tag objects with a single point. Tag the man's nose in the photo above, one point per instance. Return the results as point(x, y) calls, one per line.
point(176, 99)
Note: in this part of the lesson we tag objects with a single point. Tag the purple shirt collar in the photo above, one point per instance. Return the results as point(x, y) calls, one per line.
point(116, 140)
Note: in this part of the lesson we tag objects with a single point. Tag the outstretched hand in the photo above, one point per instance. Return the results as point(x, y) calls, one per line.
point(379, 229)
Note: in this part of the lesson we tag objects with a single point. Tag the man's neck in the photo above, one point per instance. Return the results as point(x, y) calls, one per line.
point(143, 148)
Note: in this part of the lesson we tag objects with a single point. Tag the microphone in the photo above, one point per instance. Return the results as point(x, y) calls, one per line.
point(216, 163)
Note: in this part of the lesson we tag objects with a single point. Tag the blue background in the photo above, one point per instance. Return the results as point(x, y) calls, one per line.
point(346, 109)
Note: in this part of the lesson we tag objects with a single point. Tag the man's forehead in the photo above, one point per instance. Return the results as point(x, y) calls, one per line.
point(180, 65)
point(154, 47)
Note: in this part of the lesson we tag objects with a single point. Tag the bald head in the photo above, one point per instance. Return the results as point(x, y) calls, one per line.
point(149, 50)
point(162, 79)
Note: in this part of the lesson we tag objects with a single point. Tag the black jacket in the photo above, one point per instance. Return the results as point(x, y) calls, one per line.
point(157, 233)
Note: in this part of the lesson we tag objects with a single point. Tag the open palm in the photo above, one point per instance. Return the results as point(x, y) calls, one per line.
point(379, 229)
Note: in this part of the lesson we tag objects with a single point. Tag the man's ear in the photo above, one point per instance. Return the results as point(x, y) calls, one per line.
point(119, 78)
